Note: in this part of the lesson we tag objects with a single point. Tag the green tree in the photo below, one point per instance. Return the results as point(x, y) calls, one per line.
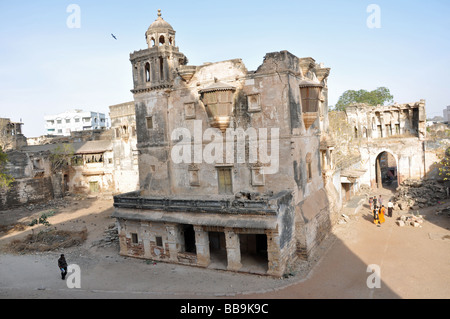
point(5, 178)
point(379, 96)
point(61, 156)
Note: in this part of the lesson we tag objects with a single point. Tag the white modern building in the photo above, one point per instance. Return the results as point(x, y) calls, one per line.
point(74, 120)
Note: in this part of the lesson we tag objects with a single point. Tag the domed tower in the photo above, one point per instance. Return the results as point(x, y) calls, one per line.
point(155, 68)
point(159, 33)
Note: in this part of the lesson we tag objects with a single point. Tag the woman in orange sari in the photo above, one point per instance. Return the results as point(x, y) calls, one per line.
point(381, 214)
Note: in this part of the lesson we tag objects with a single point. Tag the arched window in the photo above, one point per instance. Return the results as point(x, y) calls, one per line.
point(152, 41)
point(170, 41)
point(161, 68)
point(309, 167)
point(147, 72)
point(162, 40)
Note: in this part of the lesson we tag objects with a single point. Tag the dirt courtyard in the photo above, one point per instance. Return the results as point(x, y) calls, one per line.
point(414, 262)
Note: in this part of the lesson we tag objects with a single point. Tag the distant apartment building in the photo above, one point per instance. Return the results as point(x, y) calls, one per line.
point(74, 120)
point(446, 113)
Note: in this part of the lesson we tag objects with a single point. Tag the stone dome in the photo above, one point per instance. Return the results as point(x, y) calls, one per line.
point(160, 23)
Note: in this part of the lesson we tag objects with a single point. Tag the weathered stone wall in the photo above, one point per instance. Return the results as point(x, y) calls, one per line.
point(313, 223)
point(123, 126)
point(34, 180)
point(26, 191)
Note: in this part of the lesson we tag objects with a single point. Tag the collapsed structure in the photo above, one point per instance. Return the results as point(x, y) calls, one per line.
point(230, 160)
point(380, 145)
point(95, 161)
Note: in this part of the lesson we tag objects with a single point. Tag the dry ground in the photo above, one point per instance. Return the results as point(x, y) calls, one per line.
point(414, 262)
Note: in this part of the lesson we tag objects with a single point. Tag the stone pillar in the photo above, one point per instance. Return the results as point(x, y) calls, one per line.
point(122, 237)
point(383, 126)
point(145, 234)
point(233, 250)
point(274, 254)
point(202, 246)
point(378, 171)
point(172, 238)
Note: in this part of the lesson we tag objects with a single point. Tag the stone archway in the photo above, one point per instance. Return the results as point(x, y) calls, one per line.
point(386, 170)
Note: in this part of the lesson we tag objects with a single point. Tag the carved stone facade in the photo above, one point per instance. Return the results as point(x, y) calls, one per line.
point(229, 160)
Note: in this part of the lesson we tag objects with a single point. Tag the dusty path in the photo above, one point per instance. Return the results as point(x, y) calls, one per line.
point(414, 263)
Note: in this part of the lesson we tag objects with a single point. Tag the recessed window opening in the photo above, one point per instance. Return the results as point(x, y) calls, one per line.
point(161, 68)
point(147, 72)
point(134, 238)
point(149, 120)
point(159, 241)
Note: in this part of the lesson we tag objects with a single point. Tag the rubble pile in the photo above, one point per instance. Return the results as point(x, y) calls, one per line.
point(413, 220)
point(415, 194)
point(111, 237)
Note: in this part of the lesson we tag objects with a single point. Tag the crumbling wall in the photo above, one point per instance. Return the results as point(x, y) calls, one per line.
point(313, 223)
point(34, 181)
point(26, 191)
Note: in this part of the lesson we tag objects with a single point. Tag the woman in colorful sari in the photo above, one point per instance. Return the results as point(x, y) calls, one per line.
point(381, 214)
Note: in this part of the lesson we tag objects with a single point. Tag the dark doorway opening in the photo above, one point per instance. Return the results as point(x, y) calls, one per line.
point(189, 239)
point(254, 257)
point(217, 250)
point(386, 171)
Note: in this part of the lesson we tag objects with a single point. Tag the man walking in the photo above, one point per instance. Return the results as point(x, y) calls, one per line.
point(390, 208)
point(62, 264)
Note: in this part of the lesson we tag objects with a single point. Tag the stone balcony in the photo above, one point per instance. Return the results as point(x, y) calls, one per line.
point(222, 205)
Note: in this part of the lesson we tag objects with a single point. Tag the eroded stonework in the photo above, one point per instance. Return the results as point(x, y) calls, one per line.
point(260, 204)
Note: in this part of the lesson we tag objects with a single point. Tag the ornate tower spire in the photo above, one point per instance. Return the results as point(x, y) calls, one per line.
point(160, 33)
point(156, 67)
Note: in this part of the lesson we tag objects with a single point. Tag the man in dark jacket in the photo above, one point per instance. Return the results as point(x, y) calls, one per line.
point(62, 264)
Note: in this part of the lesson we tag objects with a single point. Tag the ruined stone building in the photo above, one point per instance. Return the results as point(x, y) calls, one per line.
point(230, 160)
point(11, 136)
point(379, 145)
point(103, 162)
point(34, 181)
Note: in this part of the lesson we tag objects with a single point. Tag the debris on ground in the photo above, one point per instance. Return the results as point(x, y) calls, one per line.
point(416, 194)
point(111, 237)
point(48, 240)
point(410, 219)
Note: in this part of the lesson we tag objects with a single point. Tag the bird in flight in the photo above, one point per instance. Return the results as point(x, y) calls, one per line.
point(113, 36)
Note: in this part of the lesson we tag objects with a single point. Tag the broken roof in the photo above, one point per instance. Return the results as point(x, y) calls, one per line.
point(89, 147)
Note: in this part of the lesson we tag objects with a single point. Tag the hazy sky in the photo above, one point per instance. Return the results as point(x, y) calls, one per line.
point(47, 67)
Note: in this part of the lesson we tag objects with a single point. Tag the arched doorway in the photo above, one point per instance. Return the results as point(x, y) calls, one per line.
point(386, 171)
